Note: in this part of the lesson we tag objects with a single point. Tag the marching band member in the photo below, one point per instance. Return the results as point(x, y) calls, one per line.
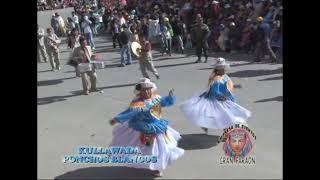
point(142, 125)
point(73, 40)
point(145, 59)
point(51, 43)
point(82, 55)
point(216, 107)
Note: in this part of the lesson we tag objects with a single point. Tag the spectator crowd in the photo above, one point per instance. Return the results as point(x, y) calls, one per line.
point(252, 27)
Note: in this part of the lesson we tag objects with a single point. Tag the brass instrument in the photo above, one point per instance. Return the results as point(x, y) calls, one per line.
point(136, 49)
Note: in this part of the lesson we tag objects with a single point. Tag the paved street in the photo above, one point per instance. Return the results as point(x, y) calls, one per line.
point(67, 119)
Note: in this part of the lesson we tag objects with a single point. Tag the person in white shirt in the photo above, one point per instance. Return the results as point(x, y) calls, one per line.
point(76, 20)
point(154, 27)
point(41, 46)
point(87, 31)
point(61, 25)
point(122, 21)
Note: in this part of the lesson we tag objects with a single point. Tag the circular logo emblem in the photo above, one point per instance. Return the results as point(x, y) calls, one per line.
point(238, 143)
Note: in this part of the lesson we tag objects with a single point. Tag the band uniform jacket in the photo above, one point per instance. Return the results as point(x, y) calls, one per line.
point(80, 56)
point(52, 42)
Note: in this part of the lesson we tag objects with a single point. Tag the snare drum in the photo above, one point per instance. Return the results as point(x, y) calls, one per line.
point(84, 67)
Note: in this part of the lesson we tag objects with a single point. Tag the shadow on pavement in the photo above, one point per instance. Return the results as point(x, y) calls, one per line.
point(117, 86)
point(53, 81)
point(45, 71)
point(168, 58)
point(106, 46)
point(254, 73)
point(52, 99)
point(232, 65)
point(278, 98)
point(170, 65)
point(197, 141)
point(107, 172)
point(71, 71)
point(272, 78)
point(49, 82)
point(101, 50)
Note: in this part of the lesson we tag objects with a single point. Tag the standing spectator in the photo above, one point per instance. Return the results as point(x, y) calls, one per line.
point(233, 37)
point(153, 27)
point(214, 35)
point(276, 37)
point(144, 28)
point(224, 35)
point(167, 34)
point(42, 4)
point(115, 29)
point(106, 18)
point(246, 42)
point(134, 33)
point(70, 24)
point(160, 35)
point(75, 19)
point(100, 25)
point(179, 31)
point(124, 38)
point(61, 25)
point(188, 42)
point(87, 31)
point(51, 43)
point(263, 40)
point(122, 21)
point(41, 45)
point(73, 40)
point(93, 24)
point(200, 33)
point(54, 24)
point(145, 59)
point(216, 13)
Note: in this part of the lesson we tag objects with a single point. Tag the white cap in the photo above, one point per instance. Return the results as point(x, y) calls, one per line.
point(232, 24)
point(145, 83)
point(215, 2)
point(221, 63)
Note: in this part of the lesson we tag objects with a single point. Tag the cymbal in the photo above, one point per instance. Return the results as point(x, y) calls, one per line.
point(134, 47)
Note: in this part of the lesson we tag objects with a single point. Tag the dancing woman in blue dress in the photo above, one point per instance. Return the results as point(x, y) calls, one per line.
point(216, 107)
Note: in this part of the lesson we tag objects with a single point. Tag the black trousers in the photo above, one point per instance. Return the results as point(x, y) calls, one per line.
point(115, 38)
point(202, 47)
